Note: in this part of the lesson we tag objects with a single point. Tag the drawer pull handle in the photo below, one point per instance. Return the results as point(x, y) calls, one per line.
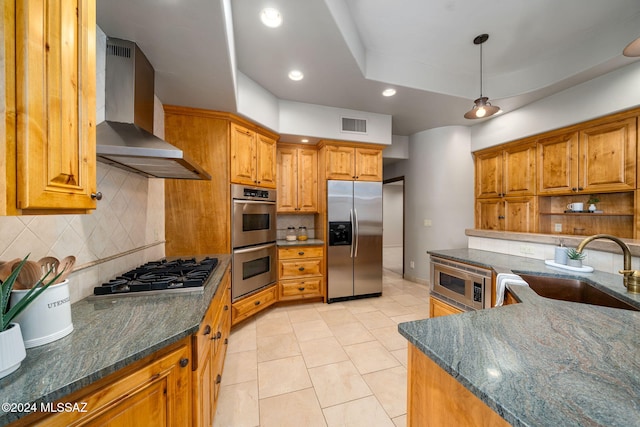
point(218, 335)
point(226, 341)
point(218, 379)
point(184, 362)
point(226, 308)
point(301, 269)
point(207, 330)
point(257, 303)
point(301, 253)
point(301, 288)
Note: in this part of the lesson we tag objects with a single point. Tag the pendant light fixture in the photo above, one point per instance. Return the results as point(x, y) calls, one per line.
point(482, 107)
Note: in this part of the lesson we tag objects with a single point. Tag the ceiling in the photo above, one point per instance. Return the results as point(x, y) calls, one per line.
point(350, 50)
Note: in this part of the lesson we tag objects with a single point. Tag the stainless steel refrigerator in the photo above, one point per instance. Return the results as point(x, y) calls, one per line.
point(354, 258)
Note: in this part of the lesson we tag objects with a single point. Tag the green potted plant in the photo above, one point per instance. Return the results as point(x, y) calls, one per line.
point(592, 203)
point(574, 258)
point(12, 350)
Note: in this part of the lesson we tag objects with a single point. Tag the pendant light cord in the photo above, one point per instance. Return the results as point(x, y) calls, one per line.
point(481, 70)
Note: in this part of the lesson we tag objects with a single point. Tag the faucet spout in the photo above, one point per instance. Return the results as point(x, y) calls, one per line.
point(631, 277)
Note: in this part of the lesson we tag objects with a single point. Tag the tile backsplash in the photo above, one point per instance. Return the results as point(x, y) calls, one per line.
point(284, 221)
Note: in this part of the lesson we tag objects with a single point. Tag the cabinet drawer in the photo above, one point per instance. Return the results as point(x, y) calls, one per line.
point(297, 268)
point(300, 252)
point(252, 304)
point(305, 288)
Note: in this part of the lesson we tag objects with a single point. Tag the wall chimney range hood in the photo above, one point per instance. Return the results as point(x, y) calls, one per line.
point(125, 139)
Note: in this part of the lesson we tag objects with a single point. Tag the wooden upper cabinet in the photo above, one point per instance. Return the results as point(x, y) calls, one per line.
point(516, 214)
point(353, 163)
point(599, 158)
point(55, 93)
point(608, 156)
point(506, 172)
point(253, 157)
point(297, 172)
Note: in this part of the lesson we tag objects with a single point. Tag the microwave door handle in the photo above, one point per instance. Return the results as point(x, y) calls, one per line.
point(357, 234)
point(352, 233)
point(253, 248)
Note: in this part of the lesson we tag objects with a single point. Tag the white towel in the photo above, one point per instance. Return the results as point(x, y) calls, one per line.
point(501, 284)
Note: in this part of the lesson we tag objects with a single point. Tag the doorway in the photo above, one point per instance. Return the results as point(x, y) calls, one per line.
point(393, 225)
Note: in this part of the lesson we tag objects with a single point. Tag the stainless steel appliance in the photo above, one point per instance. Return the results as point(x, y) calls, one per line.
point(253, 236)
point(125, 139)
point(466, 286)
point(354, 256)
point(175, 275)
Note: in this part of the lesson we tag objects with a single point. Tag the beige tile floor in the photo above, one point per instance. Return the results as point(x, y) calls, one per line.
point(340, 364)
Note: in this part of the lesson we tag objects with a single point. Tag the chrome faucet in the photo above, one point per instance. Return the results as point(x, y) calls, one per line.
point(631, 277)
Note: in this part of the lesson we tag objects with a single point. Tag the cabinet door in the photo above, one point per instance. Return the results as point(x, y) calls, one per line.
point(368, 164)
point(307, 180)
point(489, 174)
point(608, 156)
point(558, 164)
point(519, 170)
point(490, 214)
point(340, 162)
point(243, 155)
point(520, 214)
point(203, 391)
point(287, 163)
point(266, 161)
point(55, 100)
point(438, 308)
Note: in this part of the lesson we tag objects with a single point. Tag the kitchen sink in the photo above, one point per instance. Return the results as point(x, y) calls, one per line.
point(573, 290)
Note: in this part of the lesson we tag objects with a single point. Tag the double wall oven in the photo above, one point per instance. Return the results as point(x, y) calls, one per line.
point(253, 236)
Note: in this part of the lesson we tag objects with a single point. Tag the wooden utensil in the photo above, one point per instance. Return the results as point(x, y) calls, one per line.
point(5, 268)
point(65, 267)
point(49, 264)
point(29, 275)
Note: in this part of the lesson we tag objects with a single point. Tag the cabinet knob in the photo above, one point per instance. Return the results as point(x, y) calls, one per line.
point(218, 379)
point(226, 308)
point(301, 253)
point(500, 216)
point(301, 269)
point(207, 330)
point(226, 341)
point(301, 288)
point(184, 362)
point(256, 303)
point(96, 196)
point(580, 188)
point(574, 189)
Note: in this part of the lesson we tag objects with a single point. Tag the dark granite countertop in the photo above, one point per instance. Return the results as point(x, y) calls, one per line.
point(542, 362)
point(308, 242)
point(109, 334)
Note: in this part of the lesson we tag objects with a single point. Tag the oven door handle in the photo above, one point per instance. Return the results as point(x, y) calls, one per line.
point(253, 248)
point(252, 202)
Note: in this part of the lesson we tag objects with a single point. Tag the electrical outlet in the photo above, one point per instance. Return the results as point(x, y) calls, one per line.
point(412, 264)
point(526, 249)
point(557, 228)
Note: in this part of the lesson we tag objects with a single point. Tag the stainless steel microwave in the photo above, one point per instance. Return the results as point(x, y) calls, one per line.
point(467, 285)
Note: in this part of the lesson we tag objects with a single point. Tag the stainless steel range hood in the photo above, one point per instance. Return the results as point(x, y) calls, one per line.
point(125, 138)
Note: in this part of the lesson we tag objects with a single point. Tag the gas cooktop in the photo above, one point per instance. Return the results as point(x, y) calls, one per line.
point(186, 275)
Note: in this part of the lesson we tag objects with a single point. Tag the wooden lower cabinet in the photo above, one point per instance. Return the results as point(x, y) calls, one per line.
point(248, 306)
point(509, 298)
point(300, 273)
point(209, 350)
point(435, 398)
point(439, 308)
point(154, 391)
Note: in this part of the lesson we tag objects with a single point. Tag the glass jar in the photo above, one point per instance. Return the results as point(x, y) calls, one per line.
point(302, 233)
point(291, 233)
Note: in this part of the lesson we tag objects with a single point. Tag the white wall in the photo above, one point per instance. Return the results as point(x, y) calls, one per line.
point(616, 91)
point(399, 148)
point(438, 187)
point(392, 208)
point(256, 103)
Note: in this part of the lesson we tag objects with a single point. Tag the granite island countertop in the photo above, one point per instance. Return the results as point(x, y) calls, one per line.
point(543, 361)
point(109, 334)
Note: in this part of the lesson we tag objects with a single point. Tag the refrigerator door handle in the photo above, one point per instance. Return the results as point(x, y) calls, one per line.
point(352, 231)
point(357, 233)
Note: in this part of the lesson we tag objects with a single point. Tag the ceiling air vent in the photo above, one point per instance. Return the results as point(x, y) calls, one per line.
point(352, 125)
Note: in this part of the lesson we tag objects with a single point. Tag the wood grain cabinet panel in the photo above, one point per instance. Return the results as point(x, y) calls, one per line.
point(251, 305)
point(351, 163)
point(297, 177)
point(300, 272)
point(439, 308)
point(506, 172)
point(558, 164)
point(253, 157)
point(50, 88)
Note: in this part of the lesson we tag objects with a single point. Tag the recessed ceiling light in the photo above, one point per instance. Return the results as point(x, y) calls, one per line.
point(304, 140)
point(271, 17)
point(296, 75)
point(388, 92)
